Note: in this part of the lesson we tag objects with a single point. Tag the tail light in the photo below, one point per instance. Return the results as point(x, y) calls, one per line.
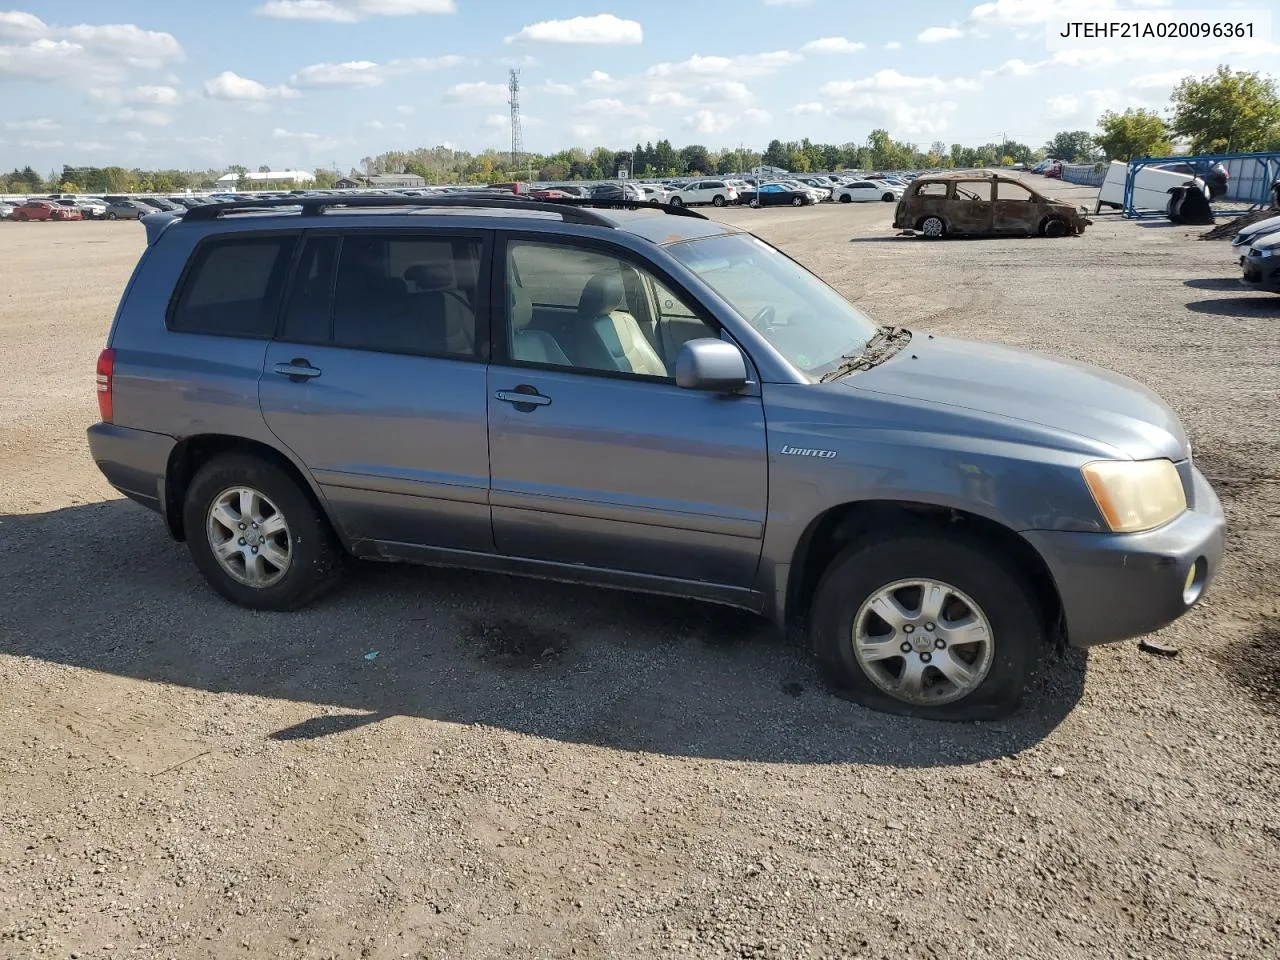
point(106, 370)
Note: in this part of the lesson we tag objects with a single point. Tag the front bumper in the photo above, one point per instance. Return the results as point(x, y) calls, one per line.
point(1116, 586)
point(1261, 273)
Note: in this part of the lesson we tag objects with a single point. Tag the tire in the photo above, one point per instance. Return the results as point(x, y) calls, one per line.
point(1054, 227)
point(888, 198)
point(677, 202)
point(718, 200)
point(315, 558)
point(1007, 615)
point(797, 201)
point(845, 198)
point(111, 216)
point(22, 218)
point(933, 228)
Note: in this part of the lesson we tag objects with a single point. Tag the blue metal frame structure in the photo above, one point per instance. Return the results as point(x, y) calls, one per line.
point(1270, 172)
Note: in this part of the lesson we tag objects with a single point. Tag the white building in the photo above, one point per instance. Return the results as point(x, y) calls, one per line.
point(229, 181)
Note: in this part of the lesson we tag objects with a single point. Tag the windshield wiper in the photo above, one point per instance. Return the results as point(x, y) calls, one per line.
point(886, 342)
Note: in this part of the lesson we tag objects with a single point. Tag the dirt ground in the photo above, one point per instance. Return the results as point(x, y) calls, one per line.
point(534, 770)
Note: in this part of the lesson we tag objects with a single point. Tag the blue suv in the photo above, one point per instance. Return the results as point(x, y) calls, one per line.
point(635, 396)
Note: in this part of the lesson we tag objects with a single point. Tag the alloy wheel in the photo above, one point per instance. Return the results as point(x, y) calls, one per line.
point(249, 536)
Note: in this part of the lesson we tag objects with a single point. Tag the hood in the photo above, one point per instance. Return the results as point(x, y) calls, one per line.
point(1266, 242)
point(1060, 395)
point(1261, 228)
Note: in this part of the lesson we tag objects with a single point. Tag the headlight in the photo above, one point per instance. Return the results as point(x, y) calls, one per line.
point(1268, 252)
point(1135, 495)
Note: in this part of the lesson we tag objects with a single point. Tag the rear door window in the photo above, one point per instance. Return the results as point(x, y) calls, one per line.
point(973, 190)
point(931, 190)
point(233, 287)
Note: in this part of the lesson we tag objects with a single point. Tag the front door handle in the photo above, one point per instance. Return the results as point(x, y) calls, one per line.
point(298, 369)
point(525, 398)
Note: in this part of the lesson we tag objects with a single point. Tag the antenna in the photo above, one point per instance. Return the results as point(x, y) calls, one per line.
point(517, 135)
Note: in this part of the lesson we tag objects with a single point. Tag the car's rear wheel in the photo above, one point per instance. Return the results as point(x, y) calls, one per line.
point(927, 625)
point(1054, 227)
point(933, 228)
point(257, 536)
point(888, 197)
point(797, 201)
point(718, 200)
point(845, 198)
point(22, 218)
point(676, 202)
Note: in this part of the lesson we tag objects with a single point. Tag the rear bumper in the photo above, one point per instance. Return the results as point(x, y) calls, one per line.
point(133, 461)
point(1116, 586)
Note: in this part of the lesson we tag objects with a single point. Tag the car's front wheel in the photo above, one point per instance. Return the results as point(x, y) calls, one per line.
point(845, 198)
point(888, 198)
point(927, 625)
point(1055, 227)
point(111, 216)
point(718, 200)
point(257, 536)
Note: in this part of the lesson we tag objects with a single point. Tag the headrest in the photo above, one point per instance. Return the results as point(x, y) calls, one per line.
point(601, 296)
point(432, 275)
point(521, 308)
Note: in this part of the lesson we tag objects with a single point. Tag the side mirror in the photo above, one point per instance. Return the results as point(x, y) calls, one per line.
point(709, 364)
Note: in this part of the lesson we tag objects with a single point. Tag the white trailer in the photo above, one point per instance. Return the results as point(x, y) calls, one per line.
point(1151, 186)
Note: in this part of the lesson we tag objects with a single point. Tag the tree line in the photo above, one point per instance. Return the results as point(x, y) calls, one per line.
point(1225, 112)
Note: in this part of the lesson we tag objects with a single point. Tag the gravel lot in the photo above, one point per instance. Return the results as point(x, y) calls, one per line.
point(535, 770)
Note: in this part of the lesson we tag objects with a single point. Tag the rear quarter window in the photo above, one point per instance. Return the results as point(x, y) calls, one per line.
point(233, 287)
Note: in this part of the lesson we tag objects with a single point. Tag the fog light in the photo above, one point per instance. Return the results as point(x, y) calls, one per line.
point(1194, 584)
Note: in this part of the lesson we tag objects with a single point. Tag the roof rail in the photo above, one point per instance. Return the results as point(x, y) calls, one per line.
point(620, 204)
point(313, 206)
point(571, 209)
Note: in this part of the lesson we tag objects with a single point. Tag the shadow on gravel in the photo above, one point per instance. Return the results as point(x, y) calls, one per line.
point(1214, 283)
point(101, 587)
point(1264, 306)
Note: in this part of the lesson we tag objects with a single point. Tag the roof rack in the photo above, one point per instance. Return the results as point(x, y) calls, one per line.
point(572, 210)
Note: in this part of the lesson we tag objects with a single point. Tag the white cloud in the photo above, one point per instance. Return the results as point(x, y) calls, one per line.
point(599, 80)
point(41, 144)
point(43, 124)
point(91, 146)
point(560, 89)
point(495, 121)
point(1006, 13)
point(893, 45)
point(642, 131)
point(938, 34)
point(613, 108)
point(152, 118)
point(232, 86)
point(670, 98)
point(584, 131)
point(404, 109)
point(894, 114)
point(747, 65)
point(280, 133)
point(367, 73)
point(810, 108)
point(604, 29)
point(135, 136)
point(1157, 81)
point(723, 91)
point(833, 45)
point(352, 73)
point(477, 91)
point(351, 11)
point(756, 115)
point(708, 121)
point(160, 96)
point(83, 52)
point(1062, 106)
point(891, 81)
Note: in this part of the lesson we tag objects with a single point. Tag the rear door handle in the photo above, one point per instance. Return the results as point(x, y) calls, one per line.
point(298, 369)
point(521, 399)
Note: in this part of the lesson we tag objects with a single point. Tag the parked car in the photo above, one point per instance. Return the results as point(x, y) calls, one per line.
point(777, 194)
point(823, 187)
point(6, 210)
point(1053, 171)
point(655, 192)
point(46, 210)
point(1261, 263)
point(616, 190)
point(704, 191)
point(90, 210)
point(128, 210)
point(289, 388)
point(1254, 231)
point(160, 203)
point(976, 204)
point(862, 191)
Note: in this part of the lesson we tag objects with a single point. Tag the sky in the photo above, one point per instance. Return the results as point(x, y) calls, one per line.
point(322, 83)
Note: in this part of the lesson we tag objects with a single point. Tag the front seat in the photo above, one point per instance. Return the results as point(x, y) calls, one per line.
point(608, 336)
point(439, 276)
point(532, 346)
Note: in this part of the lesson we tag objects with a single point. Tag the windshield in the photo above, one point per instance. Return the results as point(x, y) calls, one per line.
point(805, 320)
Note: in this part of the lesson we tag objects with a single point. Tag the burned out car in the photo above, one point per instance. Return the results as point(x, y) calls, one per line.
point(978, 204)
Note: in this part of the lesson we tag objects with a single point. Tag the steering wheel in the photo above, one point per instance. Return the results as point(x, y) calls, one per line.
point(764, 317)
